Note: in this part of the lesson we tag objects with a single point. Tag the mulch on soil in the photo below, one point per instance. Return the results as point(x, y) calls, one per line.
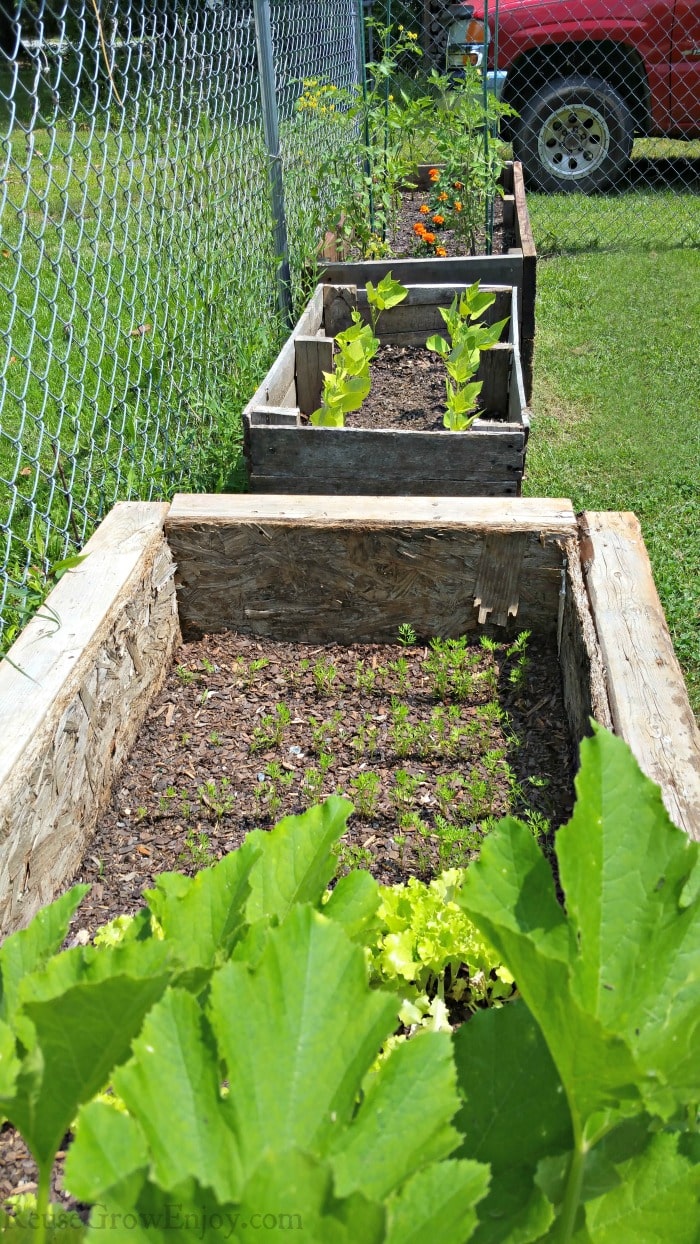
point(408, 392)
point(403, 241)
point(193, 787)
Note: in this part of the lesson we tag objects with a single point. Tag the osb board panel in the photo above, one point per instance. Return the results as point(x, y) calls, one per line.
point(71, 710)
point(648, 698)
point(353, 569)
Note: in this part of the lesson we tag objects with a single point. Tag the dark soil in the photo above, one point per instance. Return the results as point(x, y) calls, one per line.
point(193, 787)
point(407, 394)
point(404, 242)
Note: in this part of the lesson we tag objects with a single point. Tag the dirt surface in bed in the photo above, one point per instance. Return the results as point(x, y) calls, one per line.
point(404, 242)
point(408, 392)
point(206, 768)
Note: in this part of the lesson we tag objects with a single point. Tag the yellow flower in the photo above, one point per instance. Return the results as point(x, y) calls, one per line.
point(440, 250)
point(424, 209)
point(410, 34)
point(458, 206)
point(442, 197)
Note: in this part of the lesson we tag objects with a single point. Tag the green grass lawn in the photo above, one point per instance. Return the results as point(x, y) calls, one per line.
point(617, 401)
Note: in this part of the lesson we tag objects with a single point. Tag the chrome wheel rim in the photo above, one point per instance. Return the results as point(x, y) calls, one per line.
point(574, 141)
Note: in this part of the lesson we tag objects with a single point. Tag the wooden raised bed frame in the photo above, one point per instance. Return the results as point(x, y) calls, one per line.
point(317, 569)
point(286, 455)
point(517, 267)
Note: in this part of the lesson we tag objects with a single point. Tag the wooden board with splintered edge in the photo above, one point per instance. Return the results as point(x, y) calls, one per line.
point(83, 674)
point(648, 697)
point(339, 461)
point(351, 569)
point(581, 661)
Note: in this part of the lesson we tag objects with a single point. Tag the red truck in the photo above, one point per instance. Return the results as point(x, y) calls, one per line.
point(586, 77)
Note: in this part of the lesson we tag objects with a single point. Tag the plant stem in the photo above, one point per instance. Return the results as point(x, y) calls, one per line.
point(572, 1197)
point(43, 1193)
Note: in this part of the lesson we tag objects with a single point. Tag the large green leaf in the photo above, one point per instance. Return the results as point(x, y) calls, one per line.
point(353, 903)
point(296, 861)
point(413, 1097)
point(30, 948)
point(109, 1145)
point(514, 1114)
point(297, 1035)
point(174, 1076)
point(626, 871)
point(509, 894)
point(514, 1109)
point(9, 1062)
point(438, 1205)
point(202, 916)
point(291, 1193)
point(84, 1010)
point(515, 1211)
point(136, 1211)
point(656, 1198)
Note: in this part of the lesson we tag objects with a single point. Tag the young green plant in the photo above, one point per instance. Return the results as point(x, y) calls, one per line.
point(462, 354)
point(346, 387)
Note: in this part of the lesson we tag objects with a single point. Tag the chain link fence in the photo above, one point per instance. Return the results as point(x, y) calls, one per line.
point(607, 104)
point(139, 251)
point(138, 298)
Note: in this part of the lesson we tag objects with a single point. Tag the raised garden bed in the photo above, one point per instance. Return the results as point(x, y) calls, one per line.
point(319, 571)
point(285, 454)
point(517, 266)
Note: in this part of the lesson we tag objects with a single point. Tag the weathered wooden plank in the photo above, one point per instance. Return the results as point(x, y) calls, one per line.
point(438, 486)
point(352, 569)
point(648, 697)
point(275, 416)
point(580, 658)
point(339, 302)
point(276, 385)
point(494, 373)
point(525, 241)
point(314, 355)
point(74, 698)
point(420, 311)
point(517, 394)
point(492, 269)
point(324, 459)
point(548, 515)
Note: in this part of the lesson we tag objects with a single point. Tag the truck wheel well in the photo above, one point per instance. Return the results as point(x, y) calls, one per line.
point(619, 66)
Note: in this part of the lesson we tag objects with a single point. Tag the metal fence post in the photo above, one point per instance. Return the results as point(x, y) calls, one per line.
point(263, 39)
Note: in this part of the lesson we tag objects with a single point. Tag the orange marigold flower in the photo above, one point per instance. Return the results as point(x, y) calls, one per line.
point(438, 220)
point(458, 185)
point(428, 237)
point(424, 209)
point(442, 197)
point(434, 174)
point(458, 206)
point(440, 250)
point(419, 228)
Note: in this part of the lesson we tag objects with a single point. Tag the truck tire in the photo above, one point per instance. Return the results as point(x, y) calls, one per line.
point(575, 135)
